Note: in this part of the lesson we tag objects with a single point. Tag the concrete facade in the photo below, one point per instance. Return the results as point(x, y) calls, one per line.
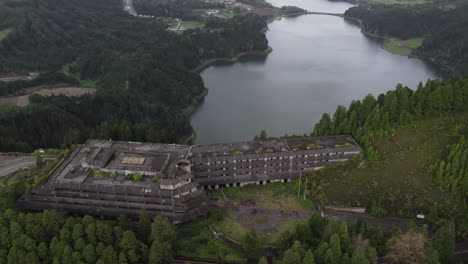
point(99, 177)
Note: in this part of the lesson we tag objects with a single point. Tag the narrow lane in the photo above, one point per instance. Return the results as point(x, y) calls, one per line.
point(18, 165)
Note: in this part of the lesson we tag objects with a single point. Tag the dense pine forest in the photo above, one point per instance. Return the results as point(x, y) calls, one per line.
point(142, 71)
point(441, 25)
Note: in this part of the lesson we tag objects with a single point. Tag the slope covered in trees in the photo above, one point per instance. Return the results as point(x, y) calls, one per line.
point(414, 154)
point(52, 237)
point(142, 71)
point(415, 144)
point(441, 25)
point(397, 108)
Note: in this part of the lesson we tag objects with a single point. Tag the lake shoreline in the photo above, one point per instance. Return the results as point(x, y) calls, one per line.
point(293, 86)
point(235, 58)
point(442, 68)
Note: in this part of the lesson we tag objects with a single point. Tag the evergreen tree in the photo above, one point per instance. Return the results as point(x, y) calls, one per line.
point(251, 244)
point(109, 256)
point(128, 241)
point(144, 226)
point(344, 235)
point(371, 255)
point(330, 258)
point(335, 246)
point(122, 258)
point(358, 257)
point(308, 257)
point(77, 232)
point(291, 257)
point(162, 230)
point(319, 253)
point(160, 253)
point(91, 233)
point(444, 242)
point(345, 259)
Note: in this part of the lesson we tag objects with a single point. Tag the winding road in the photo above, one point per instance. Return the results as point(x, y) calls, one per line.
point(17, 164)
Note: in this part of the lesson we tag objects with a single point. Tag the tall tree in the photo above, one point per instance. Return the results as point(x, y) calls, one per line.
point(444, 242)
point(144, 226)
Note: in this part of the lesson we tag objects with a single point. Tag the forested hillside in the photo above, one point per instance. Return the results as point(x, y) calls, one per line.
point(415, 157)
point(52, 237)
point(443, 30)
point(142, 71)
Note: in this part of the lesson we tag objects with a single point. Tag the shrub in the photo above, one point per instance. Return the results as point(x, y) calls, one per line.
point(137, 177)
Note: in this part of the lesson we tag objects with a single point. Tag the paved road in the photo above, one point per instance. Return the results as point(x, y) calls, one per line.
point(17, 165)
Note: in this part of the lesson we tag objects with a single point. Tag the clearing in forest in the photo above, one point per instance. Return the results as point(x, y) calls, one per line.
point(269, 210)
point(402, 47)
point(23, 100)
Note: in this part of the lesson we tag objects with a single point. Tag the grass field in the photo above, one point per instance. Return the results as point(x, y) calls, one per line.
point(402, 47)
point(83, 83)
point(270, 196)
point(400, 179)
point(231, 227)
point(5, 32)
point(267, 201)
point(192, 24)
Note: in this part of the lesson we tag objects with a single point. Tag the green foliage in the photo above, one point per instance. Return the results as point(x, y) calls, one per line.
point(158, 177)
point(376, 209)
point(372, 255)
point(98, 173)
point(145, 70)
point(444, 242)
point(344, 236)
point(251, 244)
point(162, 230)
point(5, 32)
point(39, 161)
point(51, 237)
point(144, 226)
point(441, 27)
point(263, 136)
point(335, 247)
point(302, 243)
point(262, 260)
point(451, 173)
point(358, 257)
point(402, 47)
point(137, 177)
point(308, 257)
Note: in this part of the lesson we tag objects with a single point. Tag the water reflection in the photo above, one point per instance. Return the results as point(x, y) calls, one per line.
point(317, 63)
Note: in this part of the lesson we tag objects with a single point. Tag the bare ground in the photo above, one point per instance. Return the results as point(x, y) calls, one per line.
point(264, 220)
point(23, 100)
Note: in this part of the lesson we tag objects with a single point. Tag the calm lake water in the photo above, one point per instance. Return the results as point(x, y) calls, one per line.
point(318, 62)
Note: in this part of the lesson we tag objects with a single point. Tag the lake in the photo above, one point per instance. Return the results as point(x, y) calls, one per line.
point(318, 62)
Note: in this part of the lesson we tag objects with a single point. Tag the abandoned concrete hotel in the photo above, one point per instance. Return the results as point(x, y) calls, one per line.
point(109, 178)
